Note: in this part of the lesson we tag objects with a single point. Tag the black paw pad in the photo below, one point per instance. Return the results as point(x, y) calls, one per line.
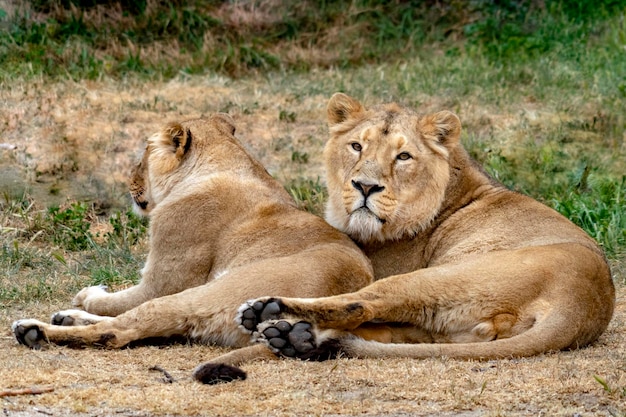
point(277, 335)
point(259, 312)
point(216, 373)
point(301, 337)
point(291, 341)
point(62, 320)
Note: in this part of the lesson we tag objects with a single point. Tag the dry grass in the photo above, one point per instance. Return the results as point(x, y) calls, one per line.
point(97, 382)
point(80, 139)
point(72, 140)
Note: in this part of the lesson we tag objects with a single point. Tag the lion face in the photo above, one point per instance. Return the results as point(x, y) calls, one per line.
point(138, 187)
point(171, 155)
point(387, 168)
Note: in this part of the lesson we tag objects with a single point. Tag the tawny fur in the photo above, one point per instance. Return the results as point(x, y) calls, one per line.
point(222, 231)
point(465, 268)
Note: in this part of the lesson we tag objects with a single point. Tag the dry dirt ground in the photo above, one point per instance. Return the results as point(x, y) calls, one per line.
point(79, 139)
point(120, 383)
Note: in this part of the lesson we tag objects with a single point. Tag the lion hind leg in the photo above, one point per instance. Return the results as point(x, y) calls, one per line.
point(300, 339)
point(549, 333)
point(293, 338)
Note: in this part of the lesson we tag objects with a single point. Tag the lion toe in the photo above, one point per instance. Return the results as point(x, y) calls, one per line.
point(254, 312)
point(286, 339)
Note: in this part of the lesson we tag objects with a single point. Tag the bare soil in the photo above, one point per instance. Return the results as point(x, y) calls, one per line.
point(78, 141)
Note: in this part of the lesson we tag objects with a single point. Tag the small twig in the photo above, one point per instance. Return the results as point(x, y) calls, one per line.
point(25, 391)
point(166, 375)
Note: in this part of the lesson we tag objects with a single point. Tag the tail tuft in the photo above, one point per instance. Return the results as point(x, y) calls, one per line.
point(215, 373)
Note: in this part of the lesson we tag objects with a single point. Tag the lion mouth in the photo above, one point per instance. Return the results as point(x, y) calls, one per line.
point(364, 210)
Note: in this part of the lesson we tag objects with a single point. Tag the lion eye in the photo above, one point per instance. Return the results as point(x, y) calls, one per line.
point(404, 156)
point(356, 146)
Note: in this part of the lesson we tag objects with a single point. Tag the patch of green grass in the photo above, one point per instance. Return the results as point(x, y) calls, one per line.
point(598, 207)
point(287, 116)
point(89, 39)
point(299, 157)
point(38, 289)
point(113, 267)
point(608, 389)
point(70, 226)
point(116, 262)
point(128, 229)
point(309, 194)
point(15, 257)
point(32, 269)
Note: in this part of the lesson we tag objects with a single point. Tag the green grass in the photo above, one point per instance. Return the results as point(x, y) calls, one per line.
point(162, 39)
point(561, 62)
point(309, 194)
point(47, 252)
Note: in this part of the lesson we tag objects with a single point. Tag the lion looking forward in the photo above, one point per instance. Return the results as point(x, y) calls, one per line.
point(222, 231)
point(465, 268)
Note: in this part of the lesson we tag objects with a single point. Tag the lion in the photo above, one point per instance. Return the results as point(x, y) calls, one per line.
point(222, 231)
point(464, 267)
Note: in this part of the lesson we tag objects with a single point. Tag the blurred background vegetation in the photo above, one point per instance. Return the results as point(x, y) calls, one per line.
point(568, 55)
point(92, 38)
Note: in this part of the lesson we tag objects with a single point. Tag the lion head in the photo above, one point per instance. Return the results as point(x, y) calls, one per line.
point(172, 154)
point(388, 168)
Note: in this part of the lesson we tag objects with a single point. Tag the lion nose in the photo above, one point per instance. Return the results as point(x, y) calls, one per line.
point(367, 189)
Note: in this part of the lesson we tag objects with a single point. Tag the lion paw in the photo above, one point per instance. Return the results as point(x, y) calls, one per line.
point(87, 293)
point(74, 318)
point(29, 333)
point(254, 312)
point(294, 340)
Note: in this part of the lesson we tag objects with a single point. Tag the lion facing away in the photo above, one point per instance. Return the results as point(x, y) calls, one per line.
point(465, 268)
point(222, 231)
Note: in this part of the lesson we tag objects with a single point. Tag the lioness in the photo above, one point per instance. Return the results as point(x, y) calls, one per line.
point(465, 268)
point(222, 230)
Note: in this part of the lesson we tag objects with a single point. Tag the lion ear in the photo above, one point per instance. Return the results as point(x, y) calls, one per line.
point(443, 126)
point(179, 138)
point(225, 121)
point(342, 107)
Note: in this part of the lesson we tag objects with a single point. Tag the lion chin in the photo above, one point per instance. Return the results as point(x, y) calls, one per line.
point(365, 226)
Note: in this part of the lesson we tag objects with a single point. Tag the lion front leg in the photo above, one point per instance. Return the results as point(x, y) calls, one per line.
point(110, 332)
point(96, 300)
point(343, 312)
point(75, 318)
point(35, 334)
point(149, 320)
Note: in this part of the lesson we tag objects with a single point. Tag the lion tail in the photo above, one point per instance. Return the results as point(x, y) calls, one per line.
point(548, 335)
point(225, 368)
